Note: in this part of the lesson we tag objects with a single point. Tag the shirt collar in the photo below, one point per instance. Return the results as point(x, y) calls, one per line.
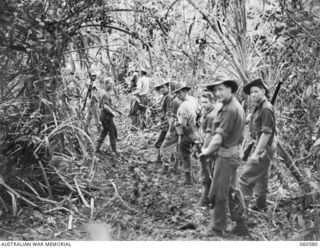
point(259, 105)
point(226, 102)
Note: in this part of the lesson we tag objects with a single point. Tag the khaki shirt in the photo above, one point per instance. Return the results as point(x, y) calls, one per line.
point(207, 121)
point(165, 105)
point(187, 111)
point(230, 123)
point(263, 121)
point(143, 86)
point(187, 116)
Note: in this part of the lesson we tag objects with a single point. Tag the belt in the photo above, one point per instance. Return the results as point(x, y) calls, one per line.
point(228, 152)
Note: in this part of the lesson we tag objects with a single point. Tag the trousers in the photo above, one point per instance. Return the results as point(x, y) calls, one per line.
point(185, 149)
point(220, 194)
point(254, 179)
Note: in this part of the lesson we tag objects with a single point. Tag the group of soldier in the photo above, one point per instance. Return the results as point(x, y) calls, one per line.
point(215, 127)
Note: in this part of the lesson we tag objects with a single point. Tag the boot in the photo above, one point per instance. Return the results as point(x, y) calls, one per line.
point(240, 229)
point(114, 147)
point(158, 157)
point(260, 204)
point(187, 178)
point(204, 198)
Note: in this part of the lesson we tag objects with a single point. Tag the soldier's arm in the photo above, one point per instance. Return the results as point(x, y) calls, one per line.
point(209, 131)
point(221, 133)
point(268, 124)
point(263, 141)
point(207, 139)
point(106, 107)
point(213, 146)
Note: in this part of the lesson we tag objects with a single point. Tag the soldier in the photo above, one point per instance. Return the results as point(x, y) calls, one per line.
point(209, 111)
point(140, 100)
point(163, 88)
point(262, 128)
point(93, 108)
point(168, 148)
point(108, 125)
point(185, 127)
point(227, 131)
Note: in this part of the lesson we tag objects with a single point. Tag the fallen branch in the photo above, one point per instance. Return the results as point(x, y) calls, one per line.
point(64, 180)
point(57, 209)
point(16, 193)
point(80, 193)
point(118, 195)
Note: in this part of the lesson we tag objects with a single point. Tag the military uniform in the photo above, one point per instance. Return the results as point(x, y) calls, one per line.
point(165, 114)
point(108, 125)
point(229, 124)
point(206, 164)
point(187, 113)
point(168, 147)
point(141, 100)
point(185, 134)
point(227, 130)
point(255, 175)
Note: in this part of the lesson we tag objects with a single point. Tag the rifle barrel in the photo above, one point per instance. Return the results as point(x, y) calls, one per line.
point(275, 94)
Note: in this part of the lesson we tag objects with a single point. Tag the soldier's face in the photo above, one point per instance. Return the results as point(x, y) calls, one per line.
point(181, 95)
point(205, 103)
point(222, 92)
point(257, 94)
point(164, 89)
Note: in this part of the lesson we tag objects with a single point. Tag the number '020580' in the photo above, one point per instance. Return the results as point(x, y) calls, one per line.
point(309, 243)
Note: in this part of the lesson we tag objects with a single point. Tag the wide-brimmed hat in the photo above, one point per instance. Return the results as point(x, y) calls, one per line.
point(256, 82)
point(181, 86)
point(229, 82)
point(160, 84)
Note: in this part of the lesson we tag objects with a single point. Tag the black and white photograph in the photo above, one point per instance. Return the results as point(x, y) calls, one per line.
point(159, 120)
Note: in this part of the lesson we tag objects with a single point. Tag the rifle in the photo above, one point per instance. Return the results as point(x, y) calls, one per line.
point(112, 108)
point(248, 150)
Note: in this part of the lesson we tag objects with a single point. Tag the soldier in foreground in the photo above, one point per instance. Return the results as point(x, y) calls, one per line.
point(227, 131)
point(262, 128)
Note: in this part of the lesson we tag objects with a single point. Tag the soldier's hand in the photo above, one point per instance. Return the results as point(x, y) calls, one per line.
point(248, 118)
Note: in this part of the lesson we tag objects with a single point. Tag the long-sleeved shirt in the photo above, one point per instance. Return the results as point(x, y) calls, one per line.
point(143, 86)
point(187, 116)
